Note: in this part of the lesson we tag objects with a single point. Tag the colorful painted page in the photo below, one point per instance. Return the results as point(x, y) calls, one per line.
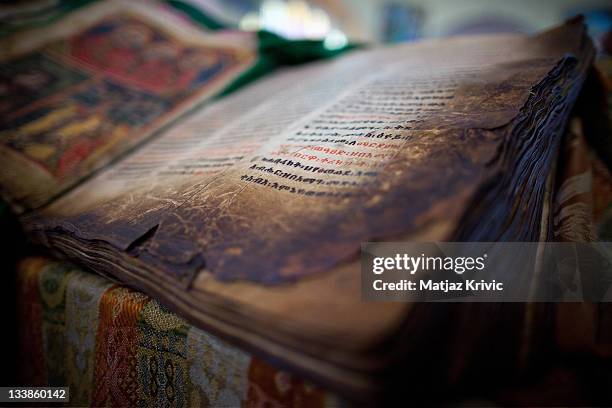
point(83, 91)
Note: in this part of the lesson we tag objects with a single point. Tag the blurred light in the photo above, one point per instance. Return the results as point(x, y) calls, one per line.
point(335, 39)
point(273, 16)
point(250, 22)
point(294, 19)
point(319, 24)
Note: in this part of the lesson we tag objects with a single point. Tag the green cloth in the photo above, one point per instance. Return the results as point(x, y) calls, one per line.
point(275, 51)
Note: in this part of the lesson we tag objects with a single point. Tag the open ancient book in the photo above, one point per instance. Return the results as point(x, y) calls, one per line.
point(246, 215)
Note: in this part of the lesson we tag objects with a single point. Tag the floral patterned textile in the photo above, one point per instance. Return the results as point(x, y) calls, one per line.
point(117, 347)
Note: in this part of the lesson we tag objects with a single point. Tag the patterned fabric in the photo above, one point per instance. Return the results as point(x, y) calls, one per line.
point(117, 347)
point(583, 209)
point(602, 179)
point(573, 217)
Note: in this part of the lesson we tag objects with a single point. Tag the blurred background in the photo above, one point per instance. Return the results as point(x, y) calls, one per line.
point(389, 21)
point(339, 22)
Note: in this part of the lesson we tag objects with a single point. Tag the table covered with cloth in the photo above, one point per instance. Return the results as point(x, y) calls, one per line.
point(114, 346)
